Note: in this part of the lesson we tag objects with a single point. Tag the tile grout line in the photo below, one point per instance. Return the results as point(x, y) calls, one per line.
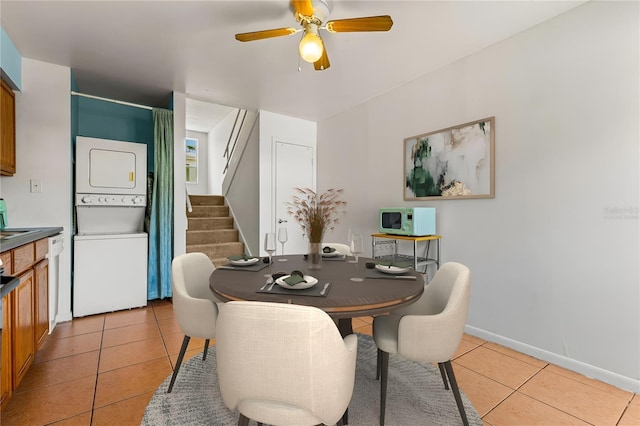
point(164, 343)
point(625, 409)
point(95, 387)
point(581, 383)
point(517, 390)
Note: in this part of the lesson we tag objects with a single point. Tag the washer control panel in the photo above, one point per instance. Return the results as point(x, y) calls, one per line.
point(110, 200)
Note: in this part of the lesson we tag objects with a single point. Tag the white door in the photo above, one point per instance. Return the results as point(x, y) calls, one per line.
point(294, 168)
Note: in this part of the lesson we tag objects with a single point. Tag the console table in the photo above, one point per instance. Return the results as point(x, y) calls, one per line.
point(379, 240)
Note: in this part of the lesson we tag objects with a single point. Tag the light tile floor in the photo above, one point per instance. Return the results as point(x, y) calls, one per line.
point(104, 369)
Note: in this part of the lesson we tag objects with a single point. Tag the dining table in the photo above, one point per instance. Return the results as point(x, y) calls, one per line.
point(344, 290)
point(342, 298)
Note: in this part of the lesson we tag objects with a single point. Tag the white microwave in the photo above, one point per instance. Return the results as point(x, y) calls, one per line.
point(110, 167)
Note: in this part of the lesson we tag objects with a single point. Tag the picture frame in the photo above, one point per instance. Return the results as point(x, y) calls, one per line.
point(191, 160)
point(451, 164)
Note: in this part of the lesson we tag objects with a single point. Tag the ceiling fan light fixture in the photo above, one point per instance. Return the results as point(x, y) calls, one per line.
point(310, 47)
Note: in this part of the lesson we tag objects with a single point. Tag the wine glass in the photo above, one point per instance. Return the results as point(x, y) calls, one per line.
point(356, 250)
point(282, 238)
point(270, 244)
point(355, 243)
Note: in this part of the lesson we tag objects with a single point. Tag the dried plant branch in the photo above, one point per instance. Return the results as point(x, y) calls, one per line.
point(316, 213)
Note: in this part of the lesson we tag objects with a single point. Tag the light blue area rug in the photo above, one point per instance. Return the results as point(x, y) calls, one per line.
point(415, 395)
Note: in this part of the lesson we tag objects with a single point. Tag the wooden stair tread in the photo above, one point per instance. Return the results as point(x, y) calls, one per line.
point(210, 229)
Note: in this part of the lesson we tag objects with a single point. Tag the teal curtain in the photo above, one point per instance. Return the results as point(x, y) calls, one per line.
point(161, 220)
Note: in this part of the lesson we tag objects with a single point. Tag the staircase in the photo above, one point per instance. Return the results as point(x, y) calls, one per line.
point(210, 229)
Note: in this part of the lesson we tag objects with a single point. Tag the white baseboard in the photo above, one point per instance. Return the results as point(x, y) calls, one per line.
point(597, 373)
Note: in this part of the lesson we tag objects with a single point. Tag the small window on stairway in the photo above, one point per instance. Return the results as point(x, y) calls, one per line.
point(191, 157)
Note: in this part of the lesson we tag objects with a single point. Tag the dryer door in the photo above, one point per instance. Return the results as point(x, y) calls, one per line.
point(110, 167)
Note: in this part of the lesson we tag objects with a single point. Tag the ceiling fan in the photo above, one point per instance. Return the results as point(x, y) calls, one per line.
point(311, 15)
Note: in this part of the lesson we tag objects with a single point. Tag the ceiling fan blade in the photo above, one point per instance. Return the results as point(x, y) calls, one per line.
point(302, 7)
point(369, 23)
point(322, 63)
point(259, 35)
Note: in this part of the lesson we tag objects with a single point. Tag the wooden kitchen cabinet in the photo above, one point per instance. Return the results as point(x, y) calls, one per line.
point(41, 274)
point(7, 131)
point(23, 330)
point(25, 312)
point(41, 292)
point(7, 263)
point(6, 371)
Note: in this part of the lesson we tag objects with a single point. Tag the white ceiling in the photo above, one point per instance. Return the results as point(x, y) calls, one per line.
point(141, 51)
point(203, 116)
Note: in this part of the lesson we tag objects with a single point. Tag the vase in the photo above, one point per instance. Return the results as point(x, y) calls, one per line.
point(315, 255)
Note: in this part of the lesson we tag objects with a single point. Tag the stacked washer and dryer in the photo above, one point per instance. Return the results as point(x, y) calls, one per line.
point(110, 246)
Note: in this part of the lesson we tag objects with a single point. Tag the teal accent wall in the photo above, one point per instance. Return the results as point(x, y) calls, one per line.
point(10, 61)
point(108, 120)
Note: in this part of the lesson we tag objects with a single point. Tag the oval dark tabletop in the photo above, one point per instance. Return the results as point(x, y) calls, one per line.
point(345, 298)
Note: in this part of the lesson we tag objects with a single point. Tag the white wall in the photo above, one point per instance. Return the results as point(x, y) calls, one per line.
point(218, 138)
point(202, 186)
point(242, 193)
point(43, 152)
point(179, 175)
point(554, 256)
point(276, 127)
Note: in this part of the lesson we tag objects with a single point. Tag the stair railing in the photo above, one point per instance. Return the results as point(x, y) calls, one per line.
point(189, 206)
point(233, 137)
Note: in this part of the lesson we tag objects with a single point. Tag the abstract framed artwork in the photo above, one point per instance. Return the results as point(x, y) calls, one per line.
point(452, 163)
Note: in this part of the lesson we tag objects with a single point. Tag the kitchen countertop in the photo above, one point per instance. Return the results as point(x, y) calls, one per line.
point(28, 235)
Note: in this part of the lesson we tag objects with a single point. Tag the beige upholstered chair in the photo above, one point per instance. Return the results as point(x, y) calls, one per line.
point(429, 330)
point(194, 304)
point(340, 248)
point(284, 364)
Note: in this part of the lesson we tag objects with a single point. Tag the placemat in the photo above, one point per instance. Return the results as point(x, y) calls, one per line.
point(313, 291)
point(374, 273)
point(253, 268)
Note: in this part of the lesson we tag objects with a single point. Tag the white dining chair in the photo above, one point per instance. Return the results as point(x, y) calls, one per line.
point(284, 364)
point(428, 330)
point(194, 304)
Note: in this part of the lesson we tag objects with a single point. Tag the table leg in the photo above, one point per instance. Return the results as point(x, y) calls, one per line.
point(345, 327)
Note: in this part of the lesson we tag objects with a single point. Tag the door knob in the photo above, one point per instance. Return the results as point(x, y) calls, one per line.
point(281, 221)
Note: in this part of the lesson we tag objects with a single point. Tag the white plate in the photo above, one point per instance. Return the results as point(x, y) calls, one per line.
point(245, 262)
point(310, 282)
point(394, 270)
point(332, 254)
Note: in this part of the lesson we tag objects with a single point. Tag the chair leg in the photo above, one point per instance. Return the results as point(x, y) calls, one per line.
point(378, 363)
point(384, 368)
point(243, 420)
point(444, 375)
point(183, 349)
point(206, 348)
point(456, 392)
